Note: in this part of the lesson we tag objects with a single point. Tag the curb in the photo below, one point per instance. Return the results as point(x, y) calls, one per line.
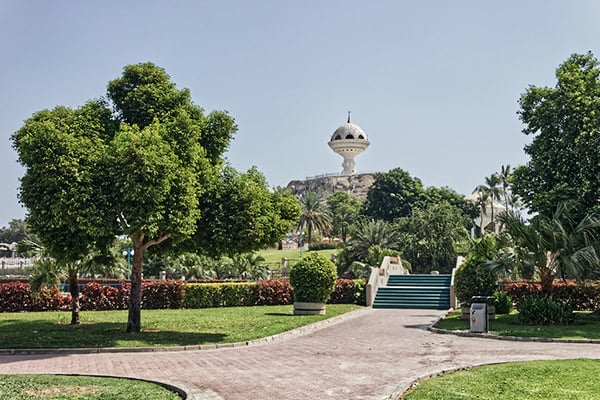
point(432, 328)
point(303, 330)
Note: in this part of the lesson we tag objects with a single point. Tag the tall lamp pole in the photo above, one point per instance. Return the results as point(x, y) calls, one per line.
point(128, 252)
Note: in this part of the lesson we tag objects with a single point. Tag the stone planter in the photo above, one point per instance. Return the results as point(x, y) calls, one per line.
point(305, 308)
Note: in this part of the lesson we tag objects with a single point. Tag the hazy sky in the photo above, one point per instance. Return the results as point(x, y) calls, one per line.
point(434, 84)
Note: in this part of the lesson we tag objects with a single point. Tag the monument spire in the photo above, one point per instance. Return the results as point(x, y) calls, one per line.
point(349, 140)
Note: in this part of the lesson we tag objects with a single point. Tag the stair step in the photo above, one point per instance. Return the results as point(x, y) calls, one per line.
point(415, 291)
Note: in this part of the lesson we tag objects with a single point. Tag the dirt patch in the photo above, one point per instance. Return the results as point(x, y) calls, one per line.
point(62, 390)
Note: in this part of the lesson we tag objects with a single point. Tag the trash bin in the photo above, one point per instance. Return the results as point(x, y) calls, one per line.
point(479, 314)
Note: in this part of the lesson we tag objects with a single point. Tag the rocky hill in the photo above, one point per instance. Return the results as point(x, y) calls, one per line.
point(357, 185)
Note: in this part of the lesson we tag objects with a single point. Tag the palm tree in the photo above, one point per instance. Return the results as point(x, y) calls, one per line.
point(505, 177)
point(251, 266)
point(315, 215)
point(48, 271)
point(492, 189)
point(557, 245)
point(370, 235)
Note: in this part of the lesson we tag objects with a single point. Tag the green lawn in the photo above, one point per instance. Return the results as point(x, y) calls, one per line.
point(585, 327)
point(27, 387)
point(160, 327)
point(275, 256)
point(534, 380)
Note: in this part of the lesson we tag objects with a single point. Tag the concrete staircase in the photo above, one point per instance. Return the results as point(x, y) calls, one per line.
point(415, 291)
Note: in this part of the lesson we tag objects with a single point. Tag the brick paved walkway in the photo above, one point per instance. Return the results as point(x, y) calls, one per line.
point(374, 355)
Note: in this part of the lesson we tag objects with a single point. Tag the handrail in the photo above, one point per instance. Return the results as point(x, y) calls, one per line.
point(453, 299)
point(379, 276)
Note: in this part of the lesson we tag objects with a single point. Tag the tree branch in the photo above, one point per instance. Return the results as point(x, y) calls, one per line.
point(156, 241)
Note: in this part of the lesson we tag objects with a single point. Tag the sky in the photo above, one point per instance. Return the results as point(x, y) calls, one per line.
point(434, 84)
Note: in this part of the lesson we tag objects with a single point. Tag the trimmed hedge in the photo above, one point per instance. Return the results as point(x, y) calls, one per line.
point(580, 296)
point(16, 296)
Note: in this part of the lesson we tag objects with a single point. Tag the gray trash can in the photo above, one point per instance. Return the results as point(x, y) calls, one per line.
point(479, 314)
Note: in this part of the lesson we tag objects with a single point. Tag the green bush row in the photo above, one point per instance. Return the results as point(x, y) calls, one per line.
point(16, 296)
point(580, 296)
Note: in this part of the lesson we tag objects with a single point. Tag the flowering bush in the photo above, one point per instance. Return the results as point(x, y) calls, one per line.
point(273, 293)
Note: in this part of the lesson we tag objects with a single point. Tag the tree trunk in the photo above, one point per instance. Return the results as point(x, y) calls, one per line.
point(134, 319)
point(74, 290)
point(546, 281)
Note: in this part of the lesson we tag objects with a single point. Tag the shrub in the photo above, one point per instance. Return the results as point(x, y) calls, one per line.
point(536, 310)
point(503, 303)
point(474, 279)
point(202, 295)
point(313, 279)
point(343, 293)
point(360, 292)
point(579, 296)
point(50, 299)
point(322, 246)
point(238, 294)
point(273, 293)
point(15, 297)
point(95, 297)
point(162, 294)
point(519, 291)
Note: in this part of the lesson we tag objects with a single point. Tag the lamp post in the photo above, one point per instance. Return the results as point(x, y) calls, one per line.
point(128, 252)
point(300, 233)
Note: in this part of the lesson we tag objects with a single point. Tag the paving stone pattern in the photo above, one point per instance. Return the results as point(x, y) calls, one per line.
point(375, 354)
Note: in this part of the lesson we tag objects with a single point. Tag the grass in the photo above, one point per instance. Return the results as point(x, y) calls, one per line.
point(275, 256)
point(27, 387)
point(532, 380)
point(160, 327)
point(585, 326)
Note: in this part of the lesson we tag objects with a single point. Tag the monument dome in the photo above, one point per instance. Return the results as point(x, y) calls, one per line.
point(349, 140)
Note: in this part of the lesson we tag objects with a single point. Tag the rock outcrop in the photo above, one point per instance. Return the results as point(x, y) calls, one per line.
point(357, 185)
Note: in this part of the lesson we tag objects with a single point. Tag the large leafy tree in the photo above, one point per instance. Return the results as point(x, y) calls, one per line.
point(61, 150)
point(241, 215)
point(430, 235)
point(139, 169)
point(344, 210)
point(393, 195)
point(435, 195)
point(564, 122)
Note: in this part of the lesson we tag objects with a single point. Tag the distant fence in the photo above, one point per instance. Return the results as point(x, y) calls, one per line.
point(15, 266)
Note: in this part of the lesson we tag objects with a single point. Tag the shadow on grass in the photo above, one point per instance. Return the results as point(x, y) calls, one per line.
point(39, 334)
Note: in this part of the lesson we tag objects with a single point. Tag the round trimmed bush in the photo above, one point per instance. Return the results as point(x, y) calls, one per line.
point(474, 279)
point(313, 279)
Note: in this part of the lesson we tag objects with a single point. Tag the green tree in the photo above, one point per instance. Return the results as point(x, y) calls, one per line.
point(435, 195)
point(393, 195)
point(91, 176)
point(344, 210)
point(564, 122)
point(14, 232)
point(241, 215)
point(430, 235)
point(314, 214)
point(560, 245)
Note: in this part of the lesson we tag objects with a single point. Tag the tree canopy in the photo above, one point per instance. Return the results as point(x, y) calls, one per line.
point(393, 195)
point(564, 122)
point(144, 163)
